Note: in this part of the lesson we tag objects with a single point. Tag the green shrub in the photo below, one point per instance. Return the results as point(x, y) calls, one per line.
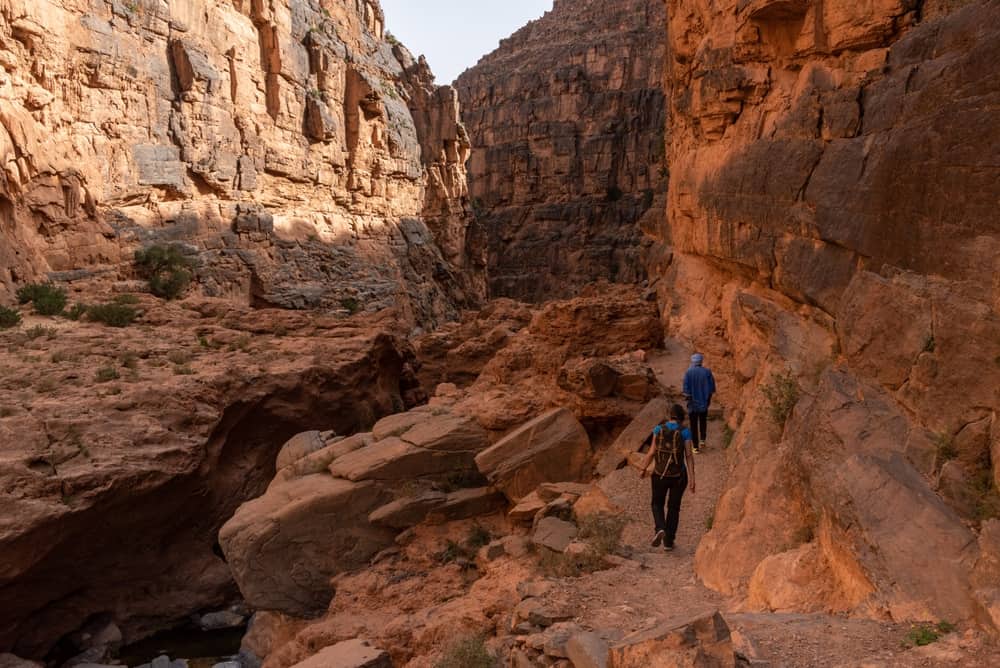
point(467, 652)
point(46, 298)
point(112, 315)
point(9, 318)
point(782, 394)
point(478, 537)
point(351, 304)
point(453, 552)
point(727, 436)
point(603, 533)
point(166, 268)
point(925, 634)
point(126, 299)
point(106, 374)
point(77, 311)
point(946, 450)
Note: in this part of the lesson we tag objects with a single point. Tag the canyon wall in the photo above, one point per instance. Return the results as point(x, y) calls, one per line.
point(567, 125)
point(305, 161)
point(832, 238)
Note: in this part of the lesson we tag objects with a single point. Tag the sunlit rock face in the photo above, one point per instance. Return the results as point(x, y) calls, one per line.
point(831, 226)
point(567, 122)
point(301, 156)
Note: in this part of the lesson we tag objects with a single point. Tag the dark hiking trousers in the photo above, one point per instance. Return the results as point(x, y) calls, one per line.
point(699, 428)
point(669, 492)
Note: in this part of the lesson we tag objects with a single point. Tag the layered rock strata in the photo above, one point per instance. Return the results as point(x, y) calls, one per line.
point(835, 243)
point(304, 160)
point(567, 126)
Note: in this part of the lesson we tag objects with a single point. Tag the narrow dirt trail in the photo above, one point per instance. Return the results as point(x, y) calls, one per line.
point(657, 587)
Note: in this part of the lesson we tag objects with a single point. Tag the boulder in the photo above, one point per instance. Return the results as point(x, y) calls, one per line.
point(320, 460)
point(466, 503)
point(527, 508)
point(448, 433)
point(702, 643)
point(587, 650)
point(594, 502)
point(554, 533)
point(284, 547)
point(395, 459)
point(297, 447)
point(408, 511)
point(542, 613)
point(634, 435)
point(348, 654)
point(223, 619)
point(551, 448)
point(399, 423)
point(551, 491)
point(11, 661)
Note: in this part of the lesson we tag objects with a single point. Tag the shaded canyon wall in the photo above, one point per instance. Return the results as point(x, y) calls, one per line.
point(566, 119)
point(833, 237)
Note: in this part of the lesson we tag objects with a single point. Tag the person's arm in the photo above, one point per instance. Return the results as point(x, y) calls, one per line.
point(649, 456)
point(686, 390)
point(692, 485)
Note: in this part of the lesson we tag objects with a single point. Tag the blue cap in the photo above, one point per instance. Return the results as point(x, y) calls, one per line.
point(697, 359)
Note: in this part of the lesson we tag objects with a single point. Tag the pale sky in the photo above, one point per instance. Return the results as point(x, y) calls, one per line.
point(454, 34)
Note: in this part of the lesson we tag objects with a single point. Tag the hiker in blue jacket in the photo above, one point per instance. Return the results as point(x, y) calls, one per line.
point(699, 386)
point(673, 467)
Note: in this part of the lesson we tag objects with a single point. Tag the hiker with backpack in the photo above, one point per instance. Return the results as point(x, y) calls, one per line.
point(699, 388)
point(673, 466)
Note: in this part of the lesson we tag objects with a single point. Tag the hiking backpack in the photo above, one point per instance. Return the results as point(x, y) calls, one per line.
point(670, 456)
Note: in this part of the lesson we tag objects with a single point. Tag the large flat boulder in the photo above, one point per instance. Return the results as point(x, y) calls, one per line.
point(395, 459)
point(553, 447)
point(348, 654)
point(319, 461)
point(633, 436)
point(284, 547)
point(297, 447)
point(449, 433)
point(702, 643)
point(408, 511)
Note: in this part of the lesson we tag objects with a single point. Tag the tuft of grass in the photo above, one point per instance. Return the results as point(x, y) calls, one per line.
point(242, 344)
point(77, 311)
point(478, 537)
point(38, 331)
point(709, 522)
point(603, 533)
point(128, 299)
point(926, 634)
point(59, 356)
point(9, 318)
point(106, 374)
point(183, 370)
point(467, 652)
point(179, 357)
point(987, 496)
point(930, 343)
point(351, 304)
point(945, 448)
point(113, 315)
point(129, 360)
point(782, 394)
point(452, 552)
point(727, 436)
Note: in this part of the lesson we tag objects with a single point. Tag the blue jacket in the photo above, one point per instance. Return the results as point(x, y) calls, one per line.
point(699, 385)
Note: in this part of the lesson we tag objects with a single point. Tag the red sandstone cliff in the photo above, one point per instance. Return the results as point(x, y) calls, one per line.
point(567, 124)
point(832, 212)
point(304, 159)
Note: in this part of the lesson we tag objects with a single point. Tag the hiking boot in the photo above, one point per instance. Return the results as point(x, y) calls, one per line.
point(696, 450)
point(658, 538)
point(669, 546)
point(704, 444)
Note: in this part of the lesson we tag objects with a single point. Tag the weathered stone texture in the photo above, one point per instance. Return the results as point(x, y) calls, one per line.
point(567, 123)
point(127, 124)
point(832, 213)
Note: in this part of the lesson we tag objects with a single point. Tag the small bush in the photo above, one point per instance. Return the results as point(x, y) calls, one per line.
point(129, 360)
point(709, 522)
point(351, 304)
point(782, 394)
point(77, 311)
point(9, 318)
point(727, 436)
point(28, 293)
point(925, 634)
point(453, 552)
point(166, 268)
point(183, 370)
point(126, 299)
point(478, 537)
point(987, 496)
point(559, 565)
point(106, 374)
point(603, 533)
point(113, 315)
point(946, 450)
point(179, 357)
point(467, 652)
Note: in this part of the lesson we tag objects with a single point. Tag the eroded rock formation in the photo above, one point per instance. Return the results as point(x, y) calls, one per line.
point(832, 213)
point(304, 159)
point(567, 127)
point(122, 452)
